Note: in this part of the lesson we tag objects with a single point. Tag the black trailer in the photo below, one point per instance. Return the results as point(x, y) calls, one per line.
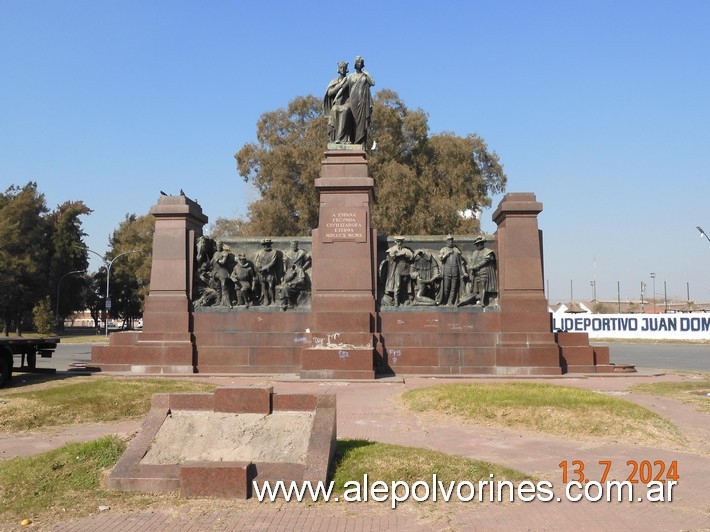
point(27, 349)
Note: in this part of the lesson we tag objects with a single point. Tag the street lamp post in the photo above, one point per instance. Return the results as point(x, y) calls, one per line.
point(108, 264)
point(702, 233)
point(108, 279)
point(59, 285)
point(653, 277)
point(102, 260)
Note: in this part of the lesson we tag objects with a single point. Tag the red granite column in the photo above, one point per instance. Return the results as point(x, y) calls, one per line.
point(178, 222)
point(526, 335)
point(344, 253)
point(165, 344)
point(520, 251)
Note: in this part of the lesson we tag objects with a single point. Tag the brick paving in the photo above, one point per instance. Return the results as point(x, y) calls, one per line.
point(371, 410)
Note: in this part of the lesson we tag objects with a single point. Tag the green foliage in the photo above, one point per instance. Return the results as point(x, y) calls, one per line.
point(40, 250)
point(24, 240)
point(37, 248)
point(63, 478)
point(423, 182)
point(283, 165)
point(93, 294)
point(68, 256)
point(43, 316)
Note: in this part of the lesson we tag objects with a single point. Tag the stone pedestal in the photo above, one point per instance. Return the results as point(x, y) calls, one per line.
point(524, 308)
point(519, 242)
point(343, 292)
point(165, 345)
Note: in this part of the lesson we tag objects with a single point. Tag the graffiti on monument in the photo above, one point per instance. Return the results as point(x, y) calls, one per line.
point(420, 275)
point(266, 277)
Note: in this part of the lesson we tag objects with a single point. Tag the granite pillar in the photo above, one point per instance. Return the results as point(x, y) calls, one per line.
point(521, 295)
point(343, 291)
point(165, 345)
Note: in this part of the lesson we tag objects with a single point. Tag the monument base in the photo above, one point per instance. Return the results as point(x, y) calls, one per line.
point(451, 341)
point(344, 362)
point(344, 334)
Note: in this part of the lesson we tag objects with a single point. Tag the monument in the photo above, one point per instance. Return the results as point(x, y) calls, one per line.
point(345, 302)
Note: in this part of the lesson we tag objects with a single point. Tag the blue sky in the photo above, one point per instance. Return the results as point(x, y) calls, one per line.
point(598, 107)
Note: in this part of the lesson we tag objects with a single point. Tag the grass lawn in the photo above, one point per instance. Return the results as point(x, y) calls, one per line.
point(389, 463)
point(85, 400)
point(695, 392)
point(551, 409)
point(68, 481)
point(70, 335)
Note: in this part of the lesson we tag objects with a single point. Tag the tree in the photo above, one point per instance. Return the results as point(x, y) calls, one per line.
point(68, 255)
point(228, 228)
point(43, 316)
point(25, 240)
point(423, 183)
point(283, 165)
point(37, 249)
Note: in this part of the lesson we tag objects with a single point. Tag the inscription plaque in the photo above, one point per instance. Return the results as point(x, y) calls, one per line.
point(345, 224)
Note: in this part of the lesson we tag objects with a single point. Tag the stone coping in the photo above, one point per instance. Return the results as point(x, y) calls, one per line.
point(227, 479)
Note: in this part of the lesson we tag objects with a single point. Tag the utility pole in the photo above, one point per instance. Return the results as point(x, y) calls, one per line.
point(665, 297)
point(618, 296)
point(653, 277)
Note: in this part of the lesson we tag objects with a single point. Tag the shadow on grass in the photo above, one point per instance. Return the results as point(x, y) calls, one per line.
point(345, 447)
point(20, 379)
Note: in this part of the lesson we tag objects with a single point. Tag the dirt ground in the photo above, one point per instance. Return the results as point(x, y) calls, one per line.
point(221, 437)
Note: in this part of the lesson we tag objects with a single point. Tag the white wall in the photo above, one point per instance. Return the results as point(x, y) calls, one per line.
point(680, 326)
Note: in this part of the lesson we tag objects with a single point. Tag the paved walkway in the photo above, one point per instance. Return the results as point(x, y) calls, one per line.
point(372, 411)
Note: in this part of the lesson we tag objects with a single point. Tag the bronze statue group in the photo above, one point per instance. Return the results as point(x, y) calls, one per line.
point(422, 278)
point(348, 104)
point(272, 279)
